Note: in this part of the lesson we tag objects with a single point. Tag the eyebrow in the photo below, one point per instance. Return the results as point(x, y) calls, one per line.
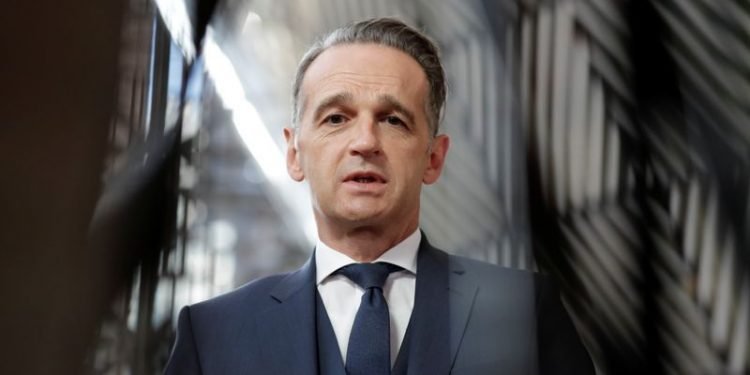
point(397, 106)
point(332, 101)
point(345, 98)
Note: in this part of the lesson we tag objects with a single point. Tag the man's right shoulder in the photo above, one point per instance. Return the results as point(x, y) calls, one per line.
point(253, 296)
point(210, 332)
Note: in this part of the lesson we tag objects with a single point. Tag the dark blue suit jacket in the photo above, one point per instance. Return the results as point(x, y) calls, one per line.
point(469, 318)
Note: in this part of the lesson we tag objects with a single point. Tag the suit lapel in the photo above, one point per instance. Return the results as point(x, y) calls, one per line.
point(289, 326)
point(443, 301)
point(463, 291)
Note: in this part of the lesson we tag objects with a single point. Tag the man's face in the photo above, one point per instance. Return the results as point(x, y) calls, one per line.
point(363, 142)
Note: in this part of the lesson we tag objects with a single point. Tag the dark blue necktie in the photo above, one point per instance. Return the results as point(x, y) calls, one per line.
point(369, 350)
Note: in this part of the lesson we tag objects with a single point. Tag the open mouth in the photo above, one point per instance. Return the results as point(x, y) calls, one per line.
point(365, 178)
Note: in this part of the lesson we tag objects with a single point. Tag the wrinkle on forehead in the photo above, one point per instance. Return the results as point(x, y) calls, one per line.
point(369, 83)
point(363, 67)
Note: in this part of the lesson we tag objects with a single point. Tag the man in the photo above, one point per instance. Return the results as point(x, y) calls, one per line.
point(376, 297)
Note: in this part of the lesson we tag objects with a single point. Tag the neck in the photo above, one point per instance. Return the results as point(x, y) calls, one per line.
point(365, 243)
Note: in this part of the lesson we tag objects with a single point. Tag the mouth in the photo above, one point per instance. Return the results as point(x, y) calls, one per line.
point(365, 178)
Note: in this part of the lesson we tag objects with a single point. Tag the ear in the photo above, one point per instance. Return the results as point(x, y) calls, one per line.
point(436, 159)
point(293, 166)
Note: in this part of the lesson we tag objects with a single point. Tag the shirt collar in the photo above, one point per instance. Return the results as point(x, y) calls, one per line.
point(404, 255)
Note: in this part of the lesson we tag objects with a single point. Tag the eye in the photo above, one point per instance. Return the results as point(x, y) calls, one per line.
point(335, 119)
point(394, 120)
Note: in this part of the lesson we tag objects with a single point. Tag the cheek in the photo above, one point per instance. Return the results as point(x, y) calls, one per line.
point(310, 159)
point(412, 174)
point(417, 164)
point(320, 171)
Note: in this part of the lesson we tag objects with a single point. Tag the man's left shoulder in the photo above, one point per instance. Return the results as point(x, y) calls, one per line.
point(503, 282)
point(490, 271)
point(510, 295)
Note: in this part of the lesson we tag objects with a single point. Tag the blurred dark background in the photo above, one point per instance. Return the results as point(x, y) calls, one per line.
point(605, 143)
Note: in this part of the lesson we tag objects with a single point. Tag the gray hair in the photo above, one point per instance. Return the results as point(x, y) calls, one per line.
point(388, 32)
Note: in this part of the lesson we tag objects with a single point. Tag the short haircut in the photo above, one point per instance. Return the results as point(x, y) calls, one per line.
point(392, 33)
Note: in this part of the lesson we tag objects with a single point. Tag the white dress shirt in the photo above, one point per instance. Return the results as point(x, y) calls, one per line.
point(341, 296)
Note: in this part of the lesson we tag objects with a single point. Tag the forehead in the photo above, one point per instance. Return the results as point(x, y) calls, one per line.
point(362, 69)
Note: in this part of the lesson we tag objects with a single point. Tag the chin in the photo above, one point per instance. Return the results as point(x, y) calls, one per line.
point(360, 216)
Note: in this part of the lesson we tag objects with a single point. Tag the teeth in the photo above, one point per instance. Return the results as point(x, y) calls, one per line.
point(364, 179)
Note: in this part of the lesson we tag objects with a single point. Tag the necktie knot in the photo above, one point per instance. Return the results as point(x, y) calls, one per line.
point(369, 275)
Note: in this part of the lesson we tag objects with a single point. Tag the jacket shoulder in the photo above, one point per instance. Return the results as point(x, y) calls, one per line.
point(493, 271)
point(515, 282)
point(528, 307)
point(222, 307)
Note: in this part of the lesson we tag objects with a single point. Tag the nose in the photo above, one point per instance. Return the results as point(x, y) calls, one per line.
point(366, 138)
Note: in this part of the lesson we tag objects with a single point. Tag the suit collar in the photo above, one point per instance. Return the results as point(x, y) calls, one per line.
point(443, 302)
point(295, 281)
point(291, 323)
